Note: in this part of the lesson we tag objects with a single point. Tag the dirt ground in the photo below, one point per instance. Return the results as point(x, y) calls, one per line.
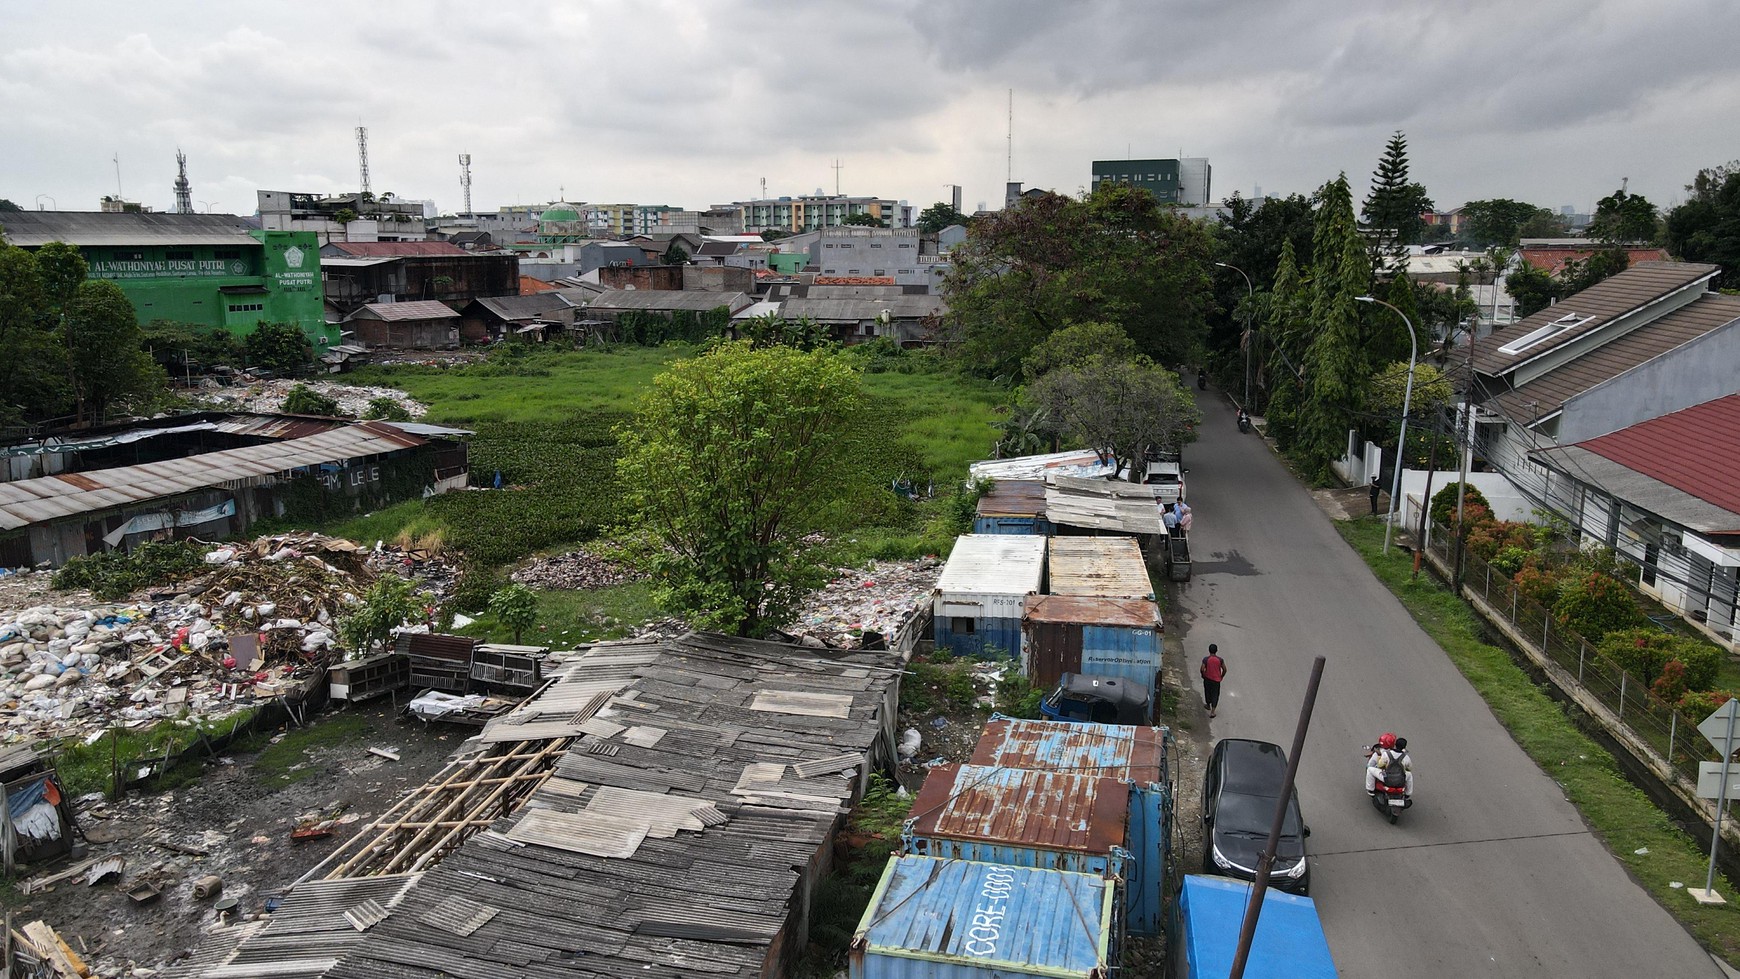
point(239, 814)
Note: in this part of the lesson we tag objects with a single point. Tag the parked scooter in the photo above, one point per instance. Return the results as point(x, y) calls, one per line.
point(1244, 421)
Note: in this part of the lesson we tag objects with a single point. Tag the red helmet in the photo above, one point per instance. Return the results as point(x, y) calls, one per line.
point(1387, 740)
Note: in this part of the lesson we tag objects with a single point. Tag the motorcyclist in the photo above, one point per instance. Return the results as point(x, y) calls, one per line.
point(1202, 378)
point(1244, 420)
point(1378, 758)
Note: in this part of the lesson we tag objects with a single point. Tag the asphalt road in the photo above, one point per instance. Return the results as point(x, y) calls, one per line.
point(1492, 873)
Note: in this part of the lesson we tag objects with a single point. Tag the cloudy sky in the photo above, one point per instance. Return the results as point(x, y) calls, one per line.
point(693, 103)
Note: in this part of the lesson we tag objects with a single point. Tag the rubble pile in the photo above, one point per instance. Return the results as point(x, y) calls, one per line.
point(268, 396)
point(575, 570)
point(859, 600)
point(260, 624)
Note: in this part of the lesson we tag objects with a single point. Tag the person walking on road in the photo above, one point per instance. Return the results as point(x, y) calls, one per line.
point(1377, 487)
point(1213, 671)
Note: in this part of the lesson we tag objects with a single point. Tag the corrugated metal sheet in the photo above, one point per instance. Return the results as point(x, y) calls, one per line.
point(1031, 810)
point(1290, 942)
point(423, 309)
point(660, 300)
point(96, 229)
point(1099, 567)
point(1133, 754)
point(991, 564)
point(1080, 610)
point(31, 501)
point(967, 920)
point(1077, 462)
point(1102, 504)
point(974, 636)
point(1013, 506)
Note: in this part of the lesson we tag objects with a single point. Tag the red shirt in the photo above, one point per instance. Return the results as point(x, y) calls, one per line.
point(1213, 668)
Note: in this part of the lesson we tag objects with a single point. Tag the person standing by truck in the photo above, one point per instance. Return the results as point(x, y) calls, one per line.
point(1213, 672)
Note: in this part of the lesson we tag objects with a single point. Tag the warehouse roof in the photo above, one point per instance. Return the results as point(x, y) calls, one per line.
point(28, 229)
point(33, 501)
point(859, 310)
point(514, 308)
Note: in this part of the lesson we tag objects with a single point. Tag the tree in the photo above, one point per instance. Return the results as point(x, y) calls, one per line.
point(1497, 222)
point(1336, 366)
point(344, 215)
point(6, 205)
point(63, 270)
point(675, 255)
point(1394, 204)
point(515, 607)
point(729, 460)
point(387, 605)
point(1118, 405)
point(1114, 256)
point(1074, 344)
point(173, 345)
point(772, 329)
point(107, 368)
point(278, 347)
point(939, 216)
point(1543, 224)
point(774, 234)
point(1622, 218)
point(864, 219)
point(304, 400)
point(1706, 228)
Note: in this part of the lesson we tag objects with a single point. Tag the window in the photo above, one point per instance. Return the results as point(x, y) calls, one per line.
point(880, 272)
point(906, 244)
point(130, 256)
point(247, 307)
point(876, 244)
point(179, 256)
point(961, 625)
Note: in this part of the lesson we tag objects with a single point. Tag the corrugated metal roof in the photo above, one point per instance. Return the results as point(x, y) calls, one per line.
point(1013, 498)
point(1046, 809)
point(1094, 611)
point(394, 249)
point(96, 229)
point(928, 915)
point(661, 300)
point(1668, 465)
point(1076, 462)
point(1099, 567)
point(1134, 754)
point(422, 309)
point(1102, 504)
point(1602, 303)
point(514, 308)
point(994, 564)
point(31, 501)
point(1545, 395)
point(305, 937)
point(342, 262)
point(859, 310)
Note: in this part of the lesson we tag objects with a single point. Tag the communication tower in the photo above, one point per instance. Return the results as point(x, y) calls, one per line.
point(465, 178)
point(362, 155)
point(183, 188)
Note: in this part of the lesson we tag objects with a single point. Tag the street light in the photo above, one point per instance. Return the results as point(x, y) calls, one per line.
point(1407, 399)
point(51, 200)
point(210, 204)
point(1249, 293)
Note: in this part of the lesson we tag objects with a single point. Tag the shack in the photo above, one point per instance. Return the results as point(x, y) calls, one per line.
point(979, 600)
point(1289, 943)
point(1074, 821)
point(1099, 567)
point(1116, 637)
point(1136, 756)
point(1047, 923)
point(1012, 506)
point(423, 325)
point(1105, 508)
point(36, 817)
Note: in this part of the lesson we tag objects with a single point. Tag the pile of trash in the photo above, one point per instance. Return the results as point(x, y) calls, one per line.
point(575, 570)
point(859, 600)
point(262, 623)
point(268, 396)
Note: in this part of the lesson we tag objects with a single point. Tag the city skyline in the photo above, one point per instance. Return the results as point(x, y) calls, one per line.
point(689, 105)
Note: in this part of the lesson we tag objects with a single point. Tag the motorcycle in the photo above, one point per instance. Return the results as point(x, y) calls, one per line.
point(1202, 380)
point(1390, 792)
point(1244, 422)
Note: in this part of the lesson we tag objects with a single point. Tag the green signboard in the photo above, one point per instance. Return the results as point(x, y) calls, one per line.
point(114, 268)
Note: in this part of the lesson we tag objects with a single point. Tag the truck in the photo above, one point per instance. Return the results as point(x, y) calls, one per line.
point(1161, 467)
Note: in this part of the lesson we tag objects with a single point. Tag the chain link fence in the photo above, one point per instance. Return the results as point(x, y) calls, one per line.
point(1672, 737)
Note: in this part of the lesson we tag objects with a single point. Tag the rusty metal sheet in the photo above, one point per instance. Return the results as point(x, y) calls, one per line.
point(1087, 610)
point(1013, 498)
point(1052, 810)
point(1134, 754)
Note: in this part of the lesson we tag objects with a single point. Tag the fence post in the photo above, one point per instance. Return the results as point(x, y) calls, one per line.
point(1488, 590)
point(1623, 676)
point(1546, 630)
point(1513, 605)
point(1582, 650)
point(1673, 727)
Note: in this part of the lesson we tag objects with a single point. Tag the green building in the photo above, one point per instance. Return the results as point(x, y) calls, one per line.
point(208, 270)
point(1182, 181)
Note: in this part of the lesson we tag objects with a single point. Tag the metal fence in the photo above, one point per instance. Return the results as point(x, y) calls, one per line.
point(1670, 736)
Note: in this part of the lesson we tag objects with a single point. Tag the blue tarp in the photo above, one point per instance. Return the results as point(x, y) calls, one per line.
point(1289, 943)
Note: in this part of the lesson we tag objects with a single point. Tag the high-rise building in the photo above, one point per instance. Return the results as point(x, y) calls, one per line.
point(812, 212)
point(1182, 181)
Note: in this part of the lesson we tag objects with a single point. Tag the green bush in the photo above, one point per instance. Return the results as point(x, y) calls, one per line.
point(516, 608)
point(1509, 561)
point(1641, 652)
point(386, 409)
point(1538, 583)
point(1444, 502)
point(1596, 604)
point(303, 400)
point(112, 575)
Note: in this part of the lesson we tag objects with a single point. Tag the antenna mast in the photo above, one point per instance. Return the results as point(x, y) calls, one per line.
point(183, 188)
point(118, 194)
point(837, 165)
point(1011, 176)
point(362, 155)
point(465, 178)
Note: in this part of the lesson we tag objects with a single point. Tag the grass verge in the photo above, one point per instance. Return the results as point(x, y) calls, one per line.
point(286, 761)
point(568, 618)
point(1620, 813)
point(86, 768)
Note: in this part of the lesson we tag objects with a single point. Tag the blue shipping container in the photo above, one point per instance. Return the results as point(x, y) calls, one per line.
point(1289, 943)
point(1100, 636)
point(958, 919)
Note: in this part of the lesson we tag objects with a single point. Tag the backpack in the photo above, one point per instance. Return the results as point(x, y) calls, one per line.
point(1395, 773)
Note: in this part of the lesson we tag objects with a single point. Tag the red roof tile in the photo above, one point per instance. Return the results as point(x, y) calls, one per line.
point(531, 286)
point(1552, 260)
point(1695, 450)
point(397, 249)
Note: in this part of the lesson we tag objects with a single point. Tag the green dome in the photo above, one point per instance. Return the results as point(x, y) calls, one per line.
point(559, 212)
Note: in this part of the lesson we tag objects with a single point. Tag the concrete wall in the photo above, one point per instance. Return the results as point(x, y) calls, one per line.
point(1699, 371)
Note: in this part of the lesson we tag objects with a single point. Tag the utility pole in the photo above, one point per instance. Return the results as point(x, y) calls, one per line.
point(837, 166)
point(1464, 449)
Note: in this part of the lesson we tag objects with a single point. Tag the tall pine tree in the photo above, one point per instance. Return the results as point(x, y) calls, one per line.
point(1394, 205)
point(1283, 348)
point(1337, 365)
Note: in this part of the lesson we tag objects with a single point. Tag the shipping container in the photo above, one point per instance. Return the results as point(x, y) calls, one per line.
point(1135, 756)
point(979, 600)
point(1012, 506)
point(1099, 567)
point(961, 919)
point(1289, 942)
point(1045, 819)
point(1115, 637)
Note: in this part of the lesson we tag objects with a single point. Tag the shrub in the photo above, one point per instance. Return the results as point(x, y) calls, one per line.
point(1702, 660)
point(515, 607)
point(1444, 504)
point(111, 575)
point(1596, 604)
point(303, 400)
point(1671, 685)
point(1699, 704)
point(387, 409)
point(280, 347)
point(1641, 652)
point(1538, 583)
point(1509, 561)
